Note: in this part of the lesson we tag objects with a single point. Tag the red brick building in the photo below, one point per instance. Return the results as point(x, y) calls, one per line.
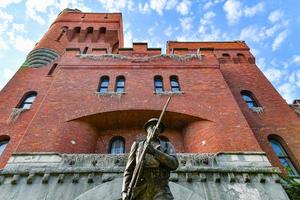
point(80, 91)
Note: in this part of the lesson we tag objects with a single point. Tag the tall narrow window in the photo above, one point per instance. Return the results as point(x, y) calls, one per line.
point(64, 29)
point(52, 69)
point(85, 50)
point(27, 100)
point(117, 145)
point(3, 144)
point(248, 98)
point(103, 87)
point(174, 84)
point(120, 84)
point(283, 157)
point(158, 84)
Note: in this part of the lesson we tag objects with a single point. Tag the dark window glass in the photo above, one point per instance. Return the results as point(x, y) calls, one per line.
point(174, 84)
point(52, 69)
point(104, 81)
point(248, 99)
point(28, 100)
point(283, 157)
point(3, 144)
point(158, 84)
point(120, 84)
point(117, 145)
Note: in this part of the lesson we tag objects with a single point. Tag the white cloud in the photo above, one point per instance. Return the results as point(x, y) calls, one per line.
point(279, 40)
point(6, 20)
point(288, 91)
point(207, 30)
point(5, 16)
point(275, 15)
point(273, 74)
point(296, 60)
point(207, 18)
point(152, 29)
point(233, 11)
point(259, 34)
point(128, 37)
point(251, 11)
point(117, 5)
point(5, 75)
point(171, 4)
point(79, 4)
point(8, 73)
point(183, 7)
point(19, 41)
point(5, 3)
point(144, 8)
point(186, 23)
point(261, 63)
point(210, 3)
point(294, 78)
point(168, 32)
point(35, 6)
point(158, 5)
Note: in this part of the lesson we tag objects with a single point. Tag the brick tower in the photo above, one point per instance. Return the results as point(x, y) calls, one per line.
point(80, 100)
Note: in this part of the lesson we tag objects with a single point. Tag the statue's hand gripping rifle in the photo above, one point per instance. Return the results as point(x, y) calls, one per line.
point(139, 165)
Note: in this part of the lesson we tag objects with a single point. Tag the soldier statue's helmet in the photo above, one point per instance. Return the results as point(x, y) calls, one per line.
point(153, 122)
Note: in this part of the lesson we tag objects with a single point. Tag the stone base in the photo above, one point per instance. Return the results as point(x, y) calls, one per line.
point(94, 176)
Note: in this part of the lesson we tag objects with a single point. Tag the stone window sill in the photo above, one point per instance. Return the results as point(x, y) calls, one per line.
point(168, 93)
point(257, 110)
point(110, 93)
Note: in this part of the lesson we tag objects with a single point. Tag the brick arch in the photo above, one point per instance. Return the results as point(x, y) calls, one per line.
point(137, 118)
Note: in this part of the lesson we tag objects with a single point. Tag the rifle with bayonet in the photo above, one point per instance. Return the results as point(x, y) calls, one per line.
point(139, 165)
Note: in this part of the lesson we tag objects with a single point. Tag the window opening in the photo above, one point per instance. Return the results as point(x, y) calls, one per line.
point(85, 50)
point(283, 157)
point(158, 84)
point(248, 98)
point(104, 81)
point(117, 145)
point(120, 84)
point(28, 100)
point(174, 84)
point(3, 145)
point(52, 69)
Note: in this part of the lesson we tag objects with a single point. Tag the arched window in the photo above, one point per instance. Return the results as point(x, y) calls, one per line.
point(120, 84)
point(117, 145)
point(158, 84)
point(3, 144)
point(103, 86)
point(27, 100)
point(77, 29)
point(226, 56)
point(248, 98)
point(90, 30)
point(174, 84)
point(283, 157)
point(241, 57)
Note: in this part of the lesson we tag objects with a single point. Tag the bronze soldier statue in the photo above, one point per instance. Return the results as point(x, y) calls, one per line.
point(159, 159)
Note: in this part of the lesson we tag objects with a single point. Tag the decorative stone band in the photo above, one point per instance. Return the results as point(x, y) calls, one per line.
point(141, 59)
point(243, 175)
point(40, 57)
point(230, 165)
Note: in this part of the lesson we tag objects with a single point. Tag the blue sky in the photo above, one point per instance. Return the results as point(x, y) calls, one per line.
point(271, 28)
